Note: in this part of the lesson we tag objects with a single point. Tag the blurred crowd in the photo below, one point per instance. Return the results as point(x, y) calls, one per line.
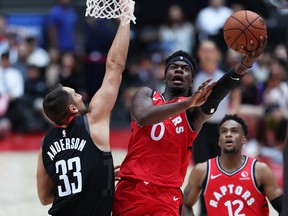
point(76, 57)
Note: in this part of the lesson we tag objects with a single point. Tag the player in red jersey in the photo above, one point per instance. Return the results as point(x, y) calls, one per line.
point(233, 184)
point(163, 129)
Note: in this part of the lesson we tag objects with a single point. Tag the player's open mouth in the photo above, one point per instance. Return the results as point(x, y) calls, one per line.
point(229, 142)
point(177, 79)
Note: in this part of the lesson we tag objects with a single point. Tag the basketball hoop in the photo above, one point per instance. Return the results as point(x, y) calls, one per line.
point(111, 9)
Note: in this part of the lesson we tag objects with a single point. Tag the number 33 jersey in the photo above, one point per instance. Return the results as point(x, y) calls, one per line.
point(82, 174)
point(236, 193)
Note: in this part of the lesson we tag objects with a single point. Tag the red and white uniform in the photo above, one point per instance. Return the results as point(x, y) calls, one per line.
point(236, 193)
point(158, 155)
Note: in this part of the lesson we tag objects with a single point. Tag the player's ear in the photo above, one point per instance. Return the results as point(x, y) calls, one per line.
point(72, 109)
point(244, 139)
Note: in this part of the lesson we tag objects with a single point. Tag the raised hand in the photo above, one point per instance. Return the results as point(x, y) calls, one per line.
point(200, 96)
point(128, 7)
point(251, 56)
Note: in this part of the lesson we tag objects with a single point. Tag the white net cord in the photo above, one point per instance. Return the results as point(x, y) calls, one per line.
point(109, 9)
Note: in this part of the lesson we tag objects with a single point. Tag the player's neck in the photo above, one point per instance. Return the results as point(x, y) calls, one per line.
point(65, 123)
point(170, 95)
point(231, 163)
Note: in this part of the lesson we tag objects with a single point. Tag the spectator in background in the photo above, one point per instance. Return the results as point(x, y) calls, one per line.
point(176, 33)
point(3, 29)
point(249, 91)
point(12, 45)
point(237, 6)
point(252, 111)
point(210, 21)
point(36, 55)
point(52, 72)
point(71, 74)
point(260, 69)
point(280, 52)
point(62, 26)
point(140, 73)
point(158, 65)
point(12, 88)
point(32, 117)
point(143, 70)
point(275, 100)
point(274, 120)
point(5, 124)
point(205, 147)
point(276, 90)
point(21, 63)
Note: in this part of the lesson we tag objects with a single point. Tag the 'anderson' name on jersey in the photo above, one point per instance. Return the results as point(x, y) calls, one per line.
point(66, 144)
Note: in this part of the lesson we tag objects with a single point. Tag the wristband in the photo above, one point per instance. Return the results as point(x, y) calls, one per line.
point(223, 86)
point(277, 203)
point(244, 66)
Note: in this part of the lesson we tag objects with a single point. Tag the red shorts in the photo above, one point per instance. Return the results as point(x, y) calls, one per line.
point(139, 198)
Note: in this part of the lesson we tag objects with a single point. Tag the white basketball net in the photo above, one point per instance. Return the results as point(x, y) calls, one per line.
point(110, 9)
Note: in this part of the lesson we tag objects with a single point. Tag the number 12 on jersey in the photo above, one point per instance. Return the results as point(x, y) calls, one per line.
point(237, 203)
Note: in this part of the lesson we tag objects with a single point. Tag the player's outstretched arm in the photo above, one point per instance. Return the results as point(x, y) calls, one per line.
point(145, 113)
point(227, 83)
point(104, 100)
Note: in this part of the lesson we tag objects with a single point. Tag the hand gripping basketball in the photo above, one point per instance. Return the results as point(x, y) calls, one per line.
point(242, 27)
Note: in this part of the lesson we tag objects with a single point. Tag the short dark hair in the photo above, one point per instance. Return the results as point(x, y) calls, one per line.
point(55, 104)
point(184, 54)
point(237, 119)
point(5, 55)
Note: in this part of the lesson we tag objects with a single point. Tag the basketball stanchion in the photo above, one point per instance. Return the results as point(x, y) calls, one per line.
point(111, 9)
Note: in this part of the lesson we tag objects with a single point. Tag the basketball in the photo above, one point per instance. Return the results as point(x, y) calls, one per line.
point(242, 27)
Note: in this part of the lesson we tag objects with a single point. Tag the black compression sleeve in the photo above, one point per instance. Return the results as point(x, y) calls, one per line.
point(277, 203)
point(224, 85)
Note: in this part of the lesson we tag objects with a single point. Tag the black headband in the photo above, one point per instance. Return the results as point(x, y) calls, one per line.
point(180, 58)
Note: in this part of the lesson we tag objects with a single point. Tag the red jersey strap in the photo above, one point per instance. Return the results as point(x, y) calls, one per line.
point(69, 120)
point(156, 97)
